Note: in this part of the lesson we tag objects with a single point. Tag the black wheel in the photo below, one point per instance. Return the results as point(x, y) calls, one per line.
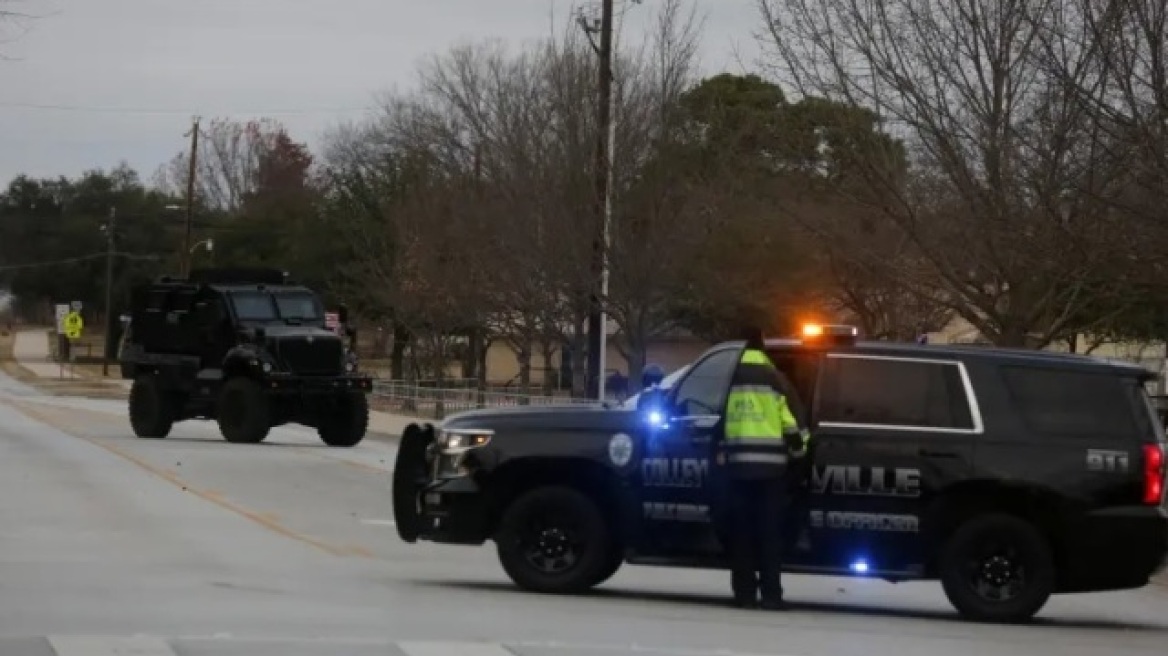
point(244, 412)
point(554, 540)
point(997, 568)
point(616, 558)
point(409, 475)
point(152, 411)
point(347, 423)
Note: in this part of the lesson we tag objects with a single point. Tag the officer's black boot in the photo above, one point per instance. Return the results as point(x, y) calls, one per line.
point(745, 586)
point(772, 590)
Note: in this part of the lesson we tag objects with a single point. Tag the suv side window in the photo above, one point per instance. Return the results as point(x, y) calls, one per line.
point(893, 392)
point(1071, 403)
point(703, 391)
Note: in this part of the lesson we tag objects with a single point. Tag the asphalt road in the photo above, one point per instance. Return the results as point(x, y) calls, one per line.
point(196, 547)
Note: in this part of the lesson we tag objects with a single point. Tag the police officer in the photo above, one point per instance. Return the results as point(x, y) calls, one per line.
point(764, 431)
point(652, 375)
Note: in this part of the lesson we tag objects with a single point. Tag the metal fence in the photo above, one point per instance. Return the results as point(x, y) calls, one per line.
point(428, 399)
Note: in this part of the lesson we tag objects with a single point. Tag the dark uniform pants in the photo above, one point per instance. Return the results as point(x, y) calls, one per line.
point(758, 510)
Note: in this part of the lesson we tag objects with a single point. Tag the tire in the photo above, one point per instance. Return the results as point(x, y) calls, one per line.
point(562, 516)
point(409, 475)
point(616, 558)
point(993, 545)
point(152, 411)
point(243, 412)
point(347, 425)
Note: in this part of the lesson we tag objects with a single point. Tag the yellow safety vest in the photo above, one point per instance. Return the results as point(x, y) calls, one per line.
point(758, 417)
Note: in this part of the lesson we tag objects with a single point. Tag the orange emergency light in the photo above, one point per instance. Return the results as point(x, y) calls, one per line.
point(831, 334)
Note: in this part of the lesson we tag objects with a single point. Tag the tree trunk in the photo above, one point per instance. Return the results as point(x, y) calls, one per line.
point(547, 350)
point(1011, 335)
point(481, 371)
point(579, 358)
point(401, 339)
point(470, 359)
point(523, 353)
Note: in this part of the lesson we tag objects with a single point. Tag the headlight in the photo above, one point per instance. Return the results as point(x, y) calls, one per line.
point(267, 367)
point(460, 439)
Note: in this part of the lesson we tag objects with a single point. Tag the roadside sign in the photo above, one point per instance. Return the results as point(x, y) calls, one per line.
point(62, 311)
point(73, 325)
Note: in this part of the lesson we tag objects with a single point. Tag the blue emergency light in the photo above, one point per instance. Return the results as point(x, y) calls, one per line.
point(859, 566)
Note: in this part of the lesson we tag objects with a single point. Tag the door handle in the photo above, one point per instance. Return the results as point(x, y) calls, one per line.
point(697, 421)
point(929, 453)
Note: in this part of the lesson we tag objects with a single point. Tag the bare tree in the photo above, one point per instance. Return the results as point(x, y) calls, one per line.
point(230, 156)
point(12, 22)
point(1112, 57)
point(657, 233)
point(1000, 154)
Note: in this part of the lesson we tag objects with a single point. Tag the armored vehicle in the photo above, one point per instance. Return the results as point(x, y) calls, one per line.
point(1007, 475)
point(247, 348)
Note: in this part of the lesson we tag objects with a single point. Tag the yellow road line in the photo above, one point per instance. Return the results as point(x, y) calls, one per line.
point(265, 520)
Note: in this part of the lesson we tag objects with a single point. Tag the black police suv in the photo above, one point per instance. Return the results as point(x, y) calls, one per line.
point(245, 347)
point(1008, 475)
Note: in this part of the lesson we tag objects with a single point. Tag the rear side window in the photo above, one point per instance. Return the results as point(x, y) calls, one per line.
point(894, 393)
point(1064, 403)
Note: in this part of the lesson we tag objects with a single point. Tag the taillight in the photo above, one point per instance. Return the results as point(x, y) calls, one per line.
point(1153, 474)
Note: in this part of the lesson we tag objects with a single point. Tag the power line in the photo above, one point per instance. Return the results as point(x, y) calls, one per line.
point(75, 260)
point(94, 109)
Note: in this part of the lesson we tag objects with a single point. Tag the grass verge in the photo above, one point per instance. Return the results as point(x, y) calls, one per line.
point(87, 386)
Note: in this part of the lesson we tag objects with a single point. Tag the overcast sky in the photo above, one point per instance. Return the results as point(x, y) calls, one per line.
point(95, 82)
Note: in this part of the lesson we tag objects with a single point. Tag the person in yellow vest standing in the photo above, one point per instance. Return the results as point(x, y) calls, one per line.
point(764, 431)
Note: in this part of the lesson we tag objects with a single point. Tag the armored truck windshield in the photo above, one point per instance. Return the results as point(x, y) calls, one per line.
point(290, 306)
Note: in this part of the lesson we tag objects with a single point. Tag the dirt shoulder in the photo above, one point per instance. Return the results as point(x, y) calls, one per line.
point(86, 385)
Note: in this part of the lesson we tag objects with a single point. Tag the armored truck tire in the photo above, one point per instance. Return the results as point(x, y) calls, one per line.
point(346, 423)
point(243, 412)
point(555, 540)
point(997, 568)
point(152, 410)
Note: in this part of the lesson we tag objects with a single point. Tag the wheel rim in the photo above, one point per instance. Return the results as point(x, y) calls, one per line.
point(997, 572)
point(551, 545)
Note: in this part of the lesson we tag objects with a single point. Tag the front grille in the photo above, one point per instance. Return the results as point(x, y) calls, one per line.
point(320, 357)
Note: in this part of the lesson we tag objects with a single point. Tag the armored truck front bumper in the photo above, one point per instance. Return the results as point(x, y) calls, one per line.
point(315, 385)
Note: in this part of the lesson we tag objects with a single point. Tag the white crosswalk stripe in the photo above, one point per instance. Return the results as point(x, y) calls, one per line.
point(227, 644)
point(78, 646)
point(453, 649)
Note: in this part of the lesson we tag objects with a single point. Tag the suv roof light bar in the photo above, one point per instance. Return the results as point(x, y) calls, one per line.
point(815, 333)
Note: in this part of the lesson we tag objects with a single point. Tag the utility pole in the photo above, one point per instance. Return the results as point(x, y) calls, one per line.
point(109, 289)
point(604, 123)
point(186, 250)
